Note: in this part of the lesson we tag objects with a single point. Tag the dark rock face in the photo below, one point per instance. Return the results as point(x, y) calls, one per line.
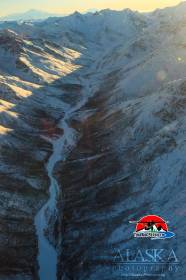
point(108, 178)
point(24, 185)
point(88, 193)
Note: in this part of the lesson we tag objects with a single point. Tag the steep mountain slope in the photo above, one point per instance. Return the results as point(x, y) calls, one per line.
point(31, 106)
point(109, 90)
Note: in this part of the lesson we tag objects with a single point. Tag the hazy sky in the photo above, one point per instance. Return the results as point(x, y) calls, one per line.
point(68, 6)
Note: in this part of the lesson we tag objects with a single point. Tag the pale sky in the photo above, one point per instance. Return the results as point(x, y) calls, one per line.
point(69, 6)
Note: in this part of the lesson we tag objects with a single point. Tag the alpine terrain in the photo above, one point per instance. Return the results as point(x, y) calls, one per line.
point(92, 135)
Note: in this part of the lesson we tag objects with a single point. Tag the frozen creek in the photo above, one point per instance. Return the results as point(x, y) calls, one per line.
point(47, 256)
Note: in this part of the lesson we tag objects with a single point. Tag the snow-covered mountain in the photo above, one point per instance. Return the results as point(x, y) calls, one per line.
point(92, 135)
point(29, 15)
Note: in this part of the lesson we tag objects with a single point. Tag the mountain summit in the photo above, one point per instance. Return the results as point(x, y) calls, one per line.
point(29, 15)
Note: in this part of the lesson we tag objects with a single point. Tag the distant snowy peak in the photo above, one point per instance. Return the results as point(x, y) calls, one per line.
point(29, 15)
